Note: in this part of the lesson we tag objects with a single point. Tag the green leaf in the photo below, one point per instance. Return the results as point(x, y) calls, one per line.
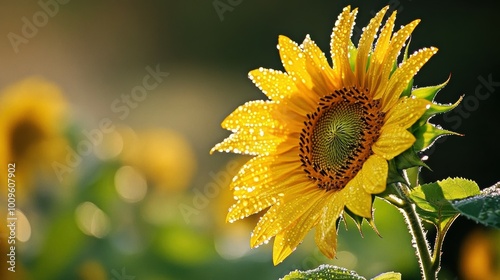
point(388, 276)
point(433, 200)
point(324, 272)
point(426, 135)
point(483, 208)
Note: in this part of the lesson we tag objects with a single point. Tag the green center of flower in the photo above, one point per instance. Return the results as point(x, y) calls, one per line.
point(338, 136)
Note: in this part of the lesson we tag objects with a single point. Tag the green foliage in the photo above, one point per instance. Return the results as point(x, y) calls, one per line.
point(388, 276)
point(483, 208)
point(433, 200)
point(324, 272)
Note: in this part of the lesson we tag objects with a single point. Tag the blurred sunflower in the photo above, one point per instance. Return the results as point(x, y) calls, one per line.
point(323, 140)
point(32, 115)
point(164, 156)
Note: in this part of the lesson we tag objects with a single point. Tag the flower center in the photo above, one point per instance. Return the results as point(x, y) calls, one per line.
point(338, 136)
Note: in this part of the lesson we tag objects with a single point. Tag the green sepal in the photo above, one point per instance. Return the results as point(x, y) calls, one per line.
point(394, 174)
point(428, 93)
point(483, 208)
point(428, 133)
point(434, 199)
point(435, 109)
point(324, 271)
point(358, 220)
point(408, 159)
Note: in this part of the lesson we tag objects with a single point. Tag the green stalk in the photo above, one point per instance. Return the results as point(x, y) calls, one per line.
point(419, 239)
point(429, 266)
point(438, 245)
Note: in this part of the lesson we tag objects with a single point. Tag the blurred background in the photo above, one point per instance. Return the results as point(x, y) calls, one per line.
point(109, 110)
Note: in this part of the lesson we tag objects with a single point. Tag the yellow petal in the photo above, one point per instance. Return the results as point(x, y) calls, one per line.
point(373, 75)
point(365, 45)
point(406, 111)
point(253, 114)
point(383, 41)
point(286, 241)
point(397, 42)
point(258, 141)
point(294, 61)
point(357, 199)
point(393, 140)
point(373, 175)
point(249, 206)
point(318, 68)
point(273, 83)
point(261, 171)
point(281, 215)
point(340, 40)
point(390, 57)
point(257, 188)
point(326, 230)
point(402, 76)
point(262, 197)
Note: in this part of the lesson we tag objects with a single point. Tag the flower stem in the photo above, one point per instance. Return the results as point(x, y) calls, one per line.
point(427, 268)
point(441, 233)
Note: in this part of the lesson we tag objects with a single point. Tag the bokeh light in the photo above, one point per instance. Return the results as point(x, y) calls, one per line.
point(130, 184)
point(91, 220)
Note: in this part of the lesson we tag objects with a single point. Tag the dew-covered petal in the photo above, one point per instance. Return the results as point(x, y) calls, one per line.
point(294, 61)
point(275, 84)
point(326, 230)
point(389, 60)
point(257, 196)
point(357, 199)
point(402, 76)
point(281, 215)
point(287, 240)
point(365, 45)
point(373, 175)
point(249, 141)
point(393, 140)
point(339, 43)
point(406, 111)
point(317, 66)
point(253, 114)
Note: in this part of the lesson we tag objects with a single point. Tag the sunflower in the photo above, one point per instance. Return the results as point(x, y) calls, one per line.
point(32, 114)
point(323, 140)
point(163, 155)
